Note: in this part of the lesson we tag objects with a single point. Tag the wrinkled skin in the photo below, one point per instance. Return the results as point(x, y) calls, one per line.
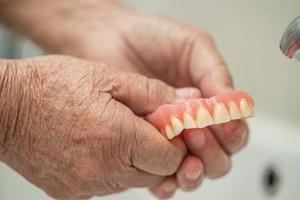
point(156, 47)
point(74, 136)
point(168, 50)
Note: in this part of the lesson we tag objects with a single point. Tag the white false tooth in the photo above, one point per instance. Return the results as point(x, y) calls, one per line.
point(245, 108)
point(203, 118)
point(188, 121)
point(177, 125)
point(252, 110)
point(234, 110)
point(169, 132)
point(221, 114)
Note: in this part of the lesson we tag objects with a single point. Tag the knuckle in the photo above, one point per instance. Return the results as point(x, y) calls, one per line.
point(150, 90)
point(154, 91)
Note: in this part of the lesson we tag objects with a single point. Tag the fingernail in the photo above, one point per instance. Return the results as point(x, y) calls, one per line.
point(193, 175)
point(231, 126)
point(187, 92)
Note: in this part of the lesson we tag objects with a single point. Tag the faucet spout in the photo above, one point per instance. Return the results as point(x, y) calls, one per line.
point(290, 41)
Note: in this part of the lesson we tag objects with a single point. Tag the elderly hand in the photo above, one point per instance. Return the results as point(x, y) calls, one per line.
point(156, 47)
point(72, 127)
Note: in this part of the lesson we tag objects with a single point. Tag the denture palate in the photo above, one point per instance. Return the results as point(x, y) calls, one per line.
point(172, 119)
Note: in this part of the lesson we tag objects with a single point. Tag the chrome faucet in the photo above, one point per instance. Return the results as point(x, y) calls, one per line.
point(290, 41)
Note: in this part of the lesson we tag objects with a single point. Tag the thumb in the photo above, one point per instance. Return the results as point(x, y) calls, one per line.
point(208, 69)
point(142, 94)
point(153, 153)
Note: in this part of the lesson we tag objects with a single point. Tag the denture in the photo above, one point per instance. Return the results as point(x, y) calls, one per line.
point(172, 119)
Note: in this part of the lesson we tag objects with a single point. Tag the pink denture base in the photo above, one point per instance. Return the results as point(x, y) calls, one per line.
point(161, 117)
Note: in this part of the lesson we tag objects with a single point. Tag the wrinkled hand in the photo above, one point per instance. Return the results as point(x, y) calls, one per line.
point(168, 50)
point(76, 127)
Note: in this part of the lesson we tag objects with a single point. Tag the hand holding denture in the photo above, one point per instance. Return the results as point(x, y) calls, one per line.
point(79, 136)
point(161, 54)
point(179, 55)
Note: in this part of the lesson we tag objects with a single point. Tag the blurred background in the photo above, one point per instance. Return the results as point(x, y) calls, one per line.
point(247, 33)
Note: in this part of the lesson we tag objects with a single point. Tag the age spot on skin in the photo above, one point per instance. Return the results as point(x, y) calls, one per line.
point(172, 119)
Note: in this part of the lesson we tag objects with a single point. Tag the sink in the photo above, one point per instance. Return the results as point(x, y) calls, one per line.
point(268, 168)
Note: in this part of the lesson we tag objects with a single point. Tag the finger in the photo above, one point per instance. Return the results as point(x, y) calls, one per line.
point(211, 75)
point(233, 135)
point(141, 94)
point(216, 161)
point(207, 68)
point(153, 153)
point(190, 173)
point(166, 189)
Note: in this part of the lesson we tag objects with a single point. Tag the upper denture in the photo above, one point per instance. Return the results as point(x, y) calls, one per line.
point(171, 119)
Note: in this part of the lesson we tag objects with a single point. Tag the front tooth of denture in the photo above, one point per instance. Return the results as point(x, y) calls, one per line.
point(188, 121)
point(169, 132)
point(234, 110)
point(177, 125)
point(203, 118)
point(221, 114)
point(245, 108)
